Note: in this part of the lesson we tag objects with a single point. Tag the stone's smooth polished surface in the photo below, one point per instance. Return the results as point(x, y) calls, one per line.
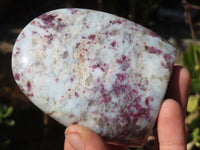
point(94, 69)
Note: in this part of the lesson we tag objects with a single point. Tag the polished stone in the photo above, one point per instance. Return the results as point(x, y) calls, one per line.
point(94, 69)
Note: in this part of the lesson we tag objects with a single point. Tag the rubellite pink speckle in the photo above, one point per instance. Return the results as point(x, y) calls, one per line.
point(94, 69)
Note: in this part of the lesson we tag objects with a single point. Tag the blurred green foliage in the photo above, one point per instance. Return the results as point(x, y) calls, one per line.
point(192, 103)
point(5, 121)
point(191, 60)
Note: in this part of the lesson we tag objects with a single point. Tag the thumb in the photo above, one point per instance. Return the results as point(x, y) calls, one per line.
point(81, 138)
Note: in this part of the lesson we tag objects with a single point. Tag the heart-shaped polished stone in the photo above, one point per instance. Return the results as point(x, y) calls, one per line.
point(94, 69)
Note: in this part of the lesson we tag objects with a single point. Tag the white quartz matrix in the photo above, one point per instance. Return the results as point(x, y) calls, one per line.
point(94, 69)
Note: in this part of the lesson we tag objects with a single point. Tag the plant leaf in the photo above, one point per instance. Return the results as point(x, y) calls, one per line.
point(197, 48)
point(10, 122)
point(8, 112)
point(192, 103)
point(4, 144)
point(188, 61)
point(195, 135)
point(191, 60)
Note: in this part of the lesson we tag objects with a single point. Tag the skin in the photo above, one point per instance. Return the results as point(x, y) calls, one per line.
point(170, 122)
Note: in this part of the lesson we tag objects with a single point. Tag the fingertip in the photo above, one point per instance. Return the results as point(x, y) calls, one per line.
point(73, 129)
point(73, 140)
point(185, 82)
point(80, 137)
point(185, 74)
point(170, 126)
point(170, 110)
point(178, 87)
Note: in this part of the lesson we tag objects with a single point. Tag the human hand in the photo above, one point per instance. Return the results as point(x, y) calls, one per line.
point(170, 123)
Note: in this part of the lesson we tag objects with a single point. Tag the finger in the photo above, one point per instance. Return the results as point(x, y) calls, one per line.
point(178, 87)
point(170, 126)
point(81, 138)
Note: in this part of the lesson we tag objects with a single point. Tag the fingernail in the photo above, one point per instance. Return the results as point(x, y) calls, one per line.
point(75, 141)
